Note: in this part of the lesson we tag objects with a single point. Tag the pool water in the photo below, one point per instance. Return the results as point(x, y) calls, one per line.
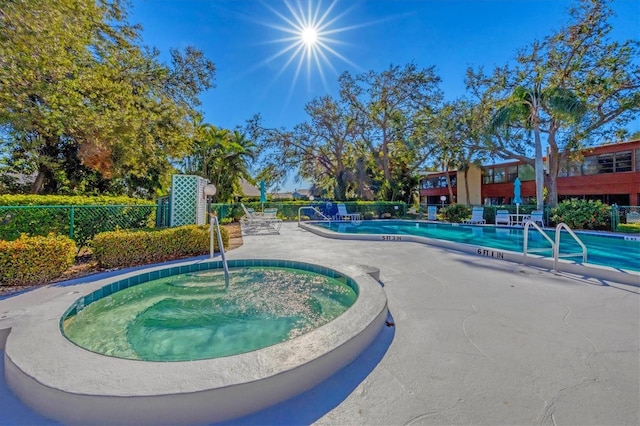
point(192, 316)
point(605, 250)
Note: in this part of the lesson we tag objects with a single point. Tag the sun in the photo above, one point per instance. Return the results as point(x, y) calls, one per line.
point(309, 38)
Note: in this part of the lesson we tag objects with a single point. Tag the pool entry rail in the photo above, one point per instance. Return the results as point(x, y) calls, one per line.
point(315, 210)
point(556, 253)
point(555, 246)
point(213, 223)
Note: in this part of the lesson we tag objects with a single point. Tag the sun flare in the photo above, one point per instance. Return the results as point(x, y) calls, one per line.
point(309, 37)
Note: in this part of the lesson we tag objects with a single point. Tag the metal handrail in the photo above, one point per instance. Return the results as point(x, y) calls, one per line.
point(213, 221)
point(526, 240)
point(556, 252)
point(314, 209)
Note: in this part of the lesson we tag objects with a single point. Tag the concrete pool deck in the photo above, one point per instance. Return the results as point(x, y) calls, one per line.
point(474, 341)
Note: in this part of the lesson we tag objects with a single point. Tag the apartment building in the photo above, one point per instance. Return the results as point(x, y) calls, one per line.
point(610, 173)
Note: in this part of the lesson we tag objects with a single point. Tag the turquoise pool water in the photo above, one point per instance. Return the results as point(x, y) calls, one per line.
point(603, 250)
point(192, 315)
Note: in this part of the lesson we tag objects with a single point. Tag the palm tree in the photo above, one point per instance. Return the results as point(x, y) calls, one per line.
point(235, 152)
point(220, 155)
point(533, 108)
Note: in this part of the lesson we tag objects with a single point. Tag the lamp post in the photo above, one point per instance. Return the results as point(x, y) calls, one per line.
point(210, 190)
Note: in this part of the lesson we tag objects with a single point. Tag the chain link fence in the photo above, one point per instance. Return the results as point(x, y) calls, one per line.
point(80, 223)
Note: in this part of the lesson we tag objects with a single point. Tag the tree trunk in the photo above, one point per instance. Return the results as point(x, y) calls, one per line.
point(446, 176)
point(539, 167)
point(552, 178)
point(38, 183)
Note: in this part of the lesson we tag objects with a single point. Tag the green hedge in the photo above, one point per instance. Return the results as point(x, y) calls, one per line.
point(75, 216)
point(632, 228)
point(35, 260)
point(117, 249)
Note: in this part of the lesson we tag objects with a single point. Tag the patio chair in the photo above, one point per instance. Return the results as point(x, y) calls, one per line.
point(267, 220)
point(502, 217)
point(344, 215)
point(537, 216)
point(477, 216)
point(270, 219)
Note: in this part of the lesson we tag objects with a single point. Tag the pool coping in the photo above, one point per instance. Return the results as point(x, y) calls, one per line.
point(81, 387)
point(603, 273)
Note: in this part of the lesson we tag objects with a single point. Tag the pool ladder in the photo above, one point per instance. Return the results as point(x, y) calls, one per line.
point(213, 223)
point(314, 209)
point(555, 245)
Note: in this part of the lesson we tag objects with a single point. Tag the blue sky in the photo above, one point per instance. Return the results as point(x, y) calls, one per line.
point(241, 38)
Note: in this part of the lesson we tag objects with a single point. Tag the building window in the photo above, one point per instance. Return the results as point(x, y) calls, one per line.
point(437, 182)
point(487, 176)
point(512, 173)
point(622, 161)
point(590, 165)
point(605, 163)
point(613, 162)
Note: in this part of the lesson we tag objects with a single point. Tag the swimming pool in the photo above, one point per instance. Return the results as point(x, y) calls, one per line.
point(605, 250)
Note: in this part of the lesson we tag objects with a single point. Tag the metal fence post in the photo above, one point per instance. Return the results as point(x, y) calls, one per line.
point(71, 222)
point(615, 217)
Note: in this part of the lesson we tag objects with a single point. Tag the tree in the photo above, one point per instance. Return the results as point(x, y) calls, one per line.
point(390, 108)
point(221, 156)
point(458, 132)
point(321, 148)
point(325, 145)
point(77, 89)
point(575, 86)
point(526, 107)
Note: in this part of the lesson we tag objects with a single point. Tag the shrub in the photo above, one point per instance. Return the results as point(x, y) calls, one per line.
point(582, 214)
point(116, 249)
point(455, 213)
point(35, 260)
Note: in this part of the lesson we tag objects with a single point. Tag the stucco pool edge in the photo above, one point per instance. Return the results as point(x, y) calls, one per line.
point(75, 386)
point(564, 266)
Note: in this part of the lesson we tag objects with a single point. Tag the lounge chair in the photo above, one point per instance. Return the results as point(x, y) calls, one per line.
point(267, 220)
point(537, 216)
point(344, 215)
point(502, 217)
point(477, 216)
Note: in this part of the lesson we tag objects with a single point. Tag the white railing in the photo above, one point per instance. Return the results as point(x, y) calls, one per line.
point(555, 245)
point(314, 209)
point(213, 222)
point(525, 244)
point(556, 252)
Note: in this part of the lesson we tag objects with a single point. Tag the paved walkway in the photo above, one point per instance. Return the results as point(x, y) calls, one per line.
point(475, 341)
